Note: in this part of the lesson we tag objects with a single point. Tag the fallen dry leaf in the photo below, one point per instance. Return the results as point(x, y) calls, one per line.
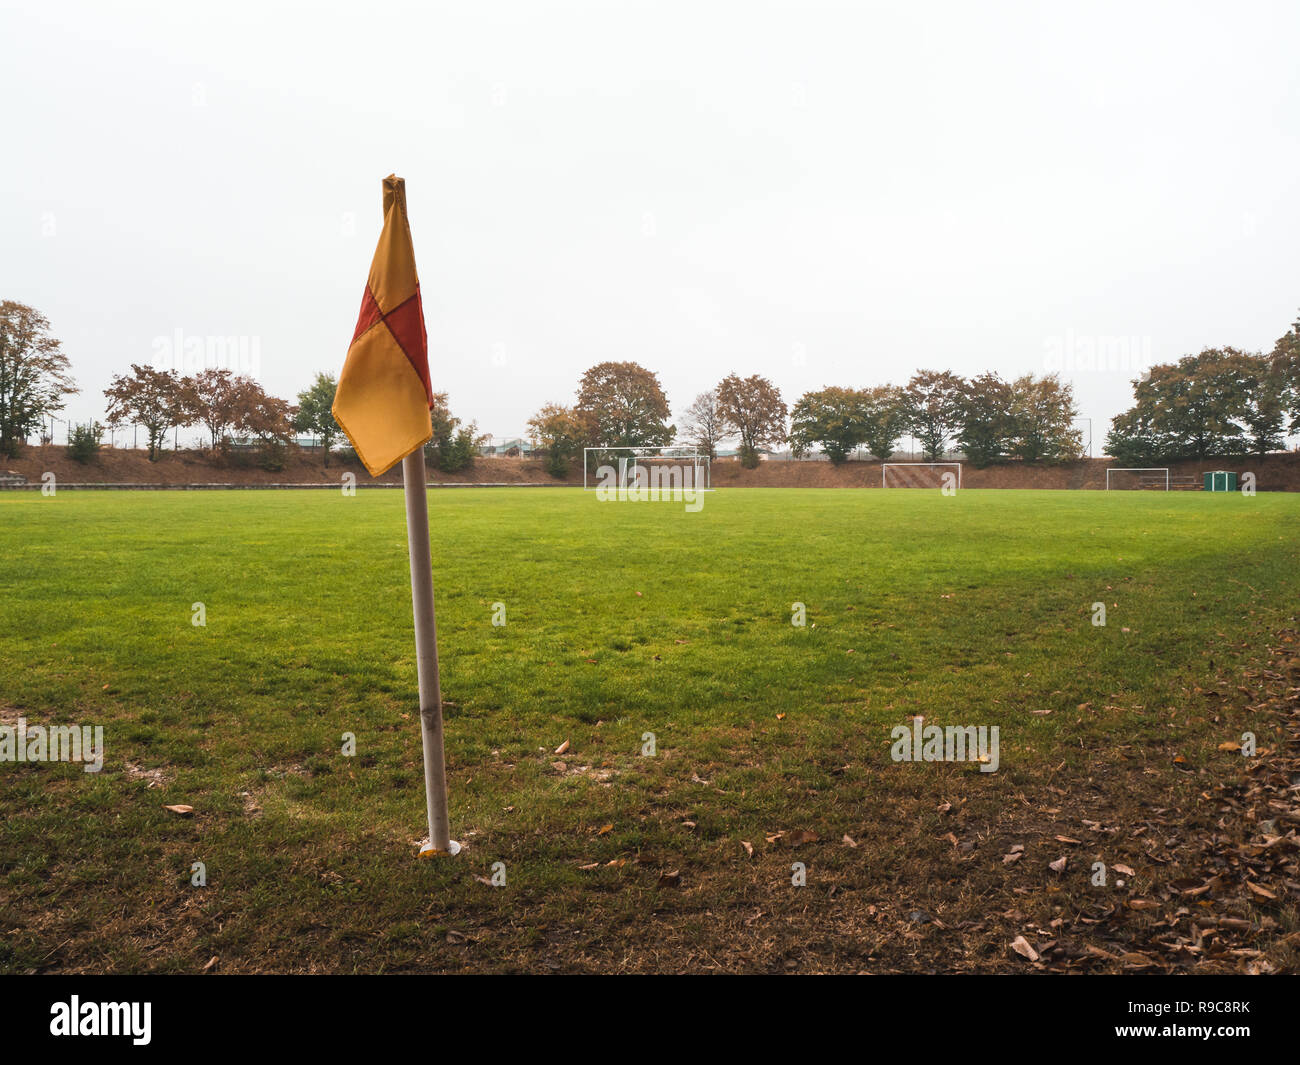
point(180, 809)
point(1021, 946)
point(562, 747)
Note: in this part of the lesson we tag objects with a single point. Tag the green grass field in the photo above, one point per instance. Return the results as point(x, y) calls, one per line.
point(621, 619)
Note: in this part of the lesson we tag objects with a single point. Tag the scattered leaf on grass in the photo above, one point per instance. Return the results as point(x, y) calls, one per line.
point(562, 747)
point(1059, 865)
point(180, 809)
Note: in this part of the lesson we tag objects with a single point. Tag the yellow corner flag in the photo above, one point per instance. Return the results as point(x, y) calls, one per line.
point(383, 397)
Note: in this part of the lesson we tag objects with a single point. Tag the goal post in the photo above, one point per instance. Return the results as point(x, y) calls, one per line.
point(1149, 477)
point(917, 474)
point(662, 469)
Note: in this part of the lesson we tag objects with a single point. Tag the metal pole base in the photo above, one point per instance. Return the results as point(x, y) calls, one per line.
point(430, 851)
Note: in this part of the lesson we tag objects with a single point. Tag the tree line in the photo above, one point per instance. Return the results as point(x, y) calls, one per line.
point(1221, 402)
point(35, 379)
point(621, 404)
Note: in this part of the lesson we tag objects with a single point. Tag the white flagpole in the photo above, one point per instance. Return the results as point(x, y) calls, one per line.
point(426, 653)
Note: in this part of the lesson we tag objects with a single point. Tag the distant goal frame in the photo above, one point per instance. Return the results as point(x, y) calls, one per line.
point(1137, 469)
point(885, 466)
point(688, 454)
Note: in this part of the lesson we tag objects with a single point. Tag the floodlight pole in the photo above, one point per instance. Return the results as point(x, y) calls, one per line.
point(426, 651)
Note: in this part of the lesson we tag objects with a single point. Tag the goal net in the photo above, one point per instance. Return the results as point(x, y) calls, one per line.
point(920, 475)
point(661, 470)
point(1154, 478)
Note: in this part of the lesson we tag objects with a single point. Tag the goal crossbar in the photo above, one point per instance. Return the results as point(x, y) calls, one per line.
point(886, 466)
point(1137, 469)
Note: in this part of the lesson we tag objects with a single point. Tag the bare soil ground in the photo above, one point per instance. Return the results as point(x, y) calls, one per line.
point(132, 466)
point(1275, 473)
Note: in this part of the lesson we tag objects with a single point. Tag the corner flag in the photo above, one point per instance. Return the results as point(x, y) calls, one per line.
point(382, 403)
point(383, 395)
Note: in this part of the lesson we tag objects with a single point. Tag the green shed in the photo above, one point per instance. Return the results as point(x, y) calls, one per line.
point(1220, 481)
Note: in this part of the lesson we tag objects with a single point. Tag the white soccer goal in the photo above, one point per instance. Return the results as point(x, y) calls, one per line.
point(661, 469)
point(1146, 477)
point(917, 474)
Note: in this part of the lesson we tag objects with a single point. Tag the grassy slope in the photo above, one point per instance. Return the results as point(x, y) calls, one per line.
point(970, 610)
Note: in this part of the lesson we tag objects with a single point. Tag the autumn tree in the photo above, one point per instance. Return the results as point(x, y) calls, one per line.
point(159, 400)
point(315, 415)
point(562, 433)
point(834, 418)
point(752, 409)
point(1285, 360)
point(703, 424)
point(1220, 402)
point(624, 406)
point(1042, 413)
point(1265, 398)
point(932, 401)
point(34, 377)
point(987, 428)
point(217, 398)
point(885, 419)
point(1134, 441)
point(267, 419)
point(1187, 409)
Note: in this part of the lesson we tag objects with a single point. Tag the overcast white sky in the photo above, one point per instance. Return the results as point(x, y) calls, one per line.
point(822, 193)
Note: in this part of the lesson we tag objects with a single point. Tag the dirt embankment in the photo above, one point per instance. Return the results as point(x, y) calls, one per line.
point(132, 466)
point(1275, 473)
point(129, 466)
